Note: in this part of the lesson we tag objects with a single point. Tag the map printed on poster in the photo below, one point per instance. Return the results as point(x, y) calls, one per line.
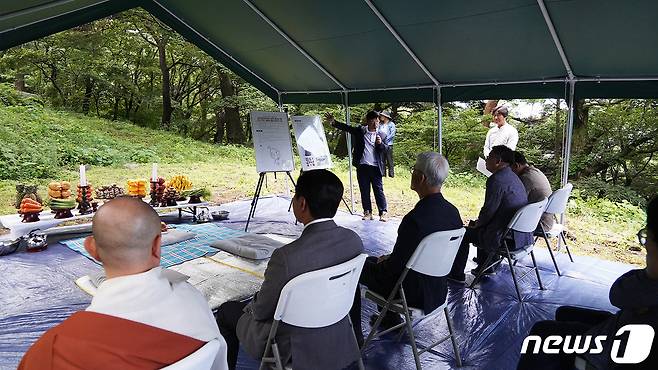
point(311, 142)
point(272, 142)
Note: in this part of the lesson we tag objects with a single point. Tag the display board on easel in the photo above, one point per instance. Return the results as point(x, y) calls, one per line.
point(312, 145)
point(273, 147)
point(311, 142)
point(271, 134)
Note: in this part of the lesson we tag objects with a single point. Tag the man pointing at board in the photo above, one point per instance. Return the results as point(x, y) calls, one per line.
point(368, 157)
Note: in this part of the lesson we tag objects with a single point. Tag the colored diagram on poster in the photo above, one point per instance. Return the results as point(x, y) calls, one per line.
point(272, 143)
point(311, 142)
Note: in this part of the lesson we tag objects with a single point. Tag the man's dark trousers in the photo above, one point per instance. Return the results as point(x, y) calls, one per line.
point(389, 161)
point(371, 176)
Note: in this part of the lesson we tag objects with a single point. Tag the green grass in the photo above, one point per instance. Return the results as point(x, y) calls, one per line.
point(57, 142)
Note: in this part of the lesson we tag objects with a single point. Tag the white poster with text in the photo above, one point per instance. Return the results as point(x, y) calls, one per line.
point(272, 141)
point(311, 142)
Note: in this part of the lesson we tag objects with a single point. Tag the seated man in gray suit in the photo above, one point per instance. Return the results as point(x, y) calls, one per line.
point(322, 244)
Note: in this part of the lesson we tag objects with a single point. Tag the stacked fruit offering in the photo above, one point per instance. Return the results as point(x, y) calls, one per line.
point(137, 188)
point(30, 208)
point(59, 190)
point(158, 190)
point(180, 183)
point(169, 198)
point(60, 199)
point(88, 193)
point(109, 192)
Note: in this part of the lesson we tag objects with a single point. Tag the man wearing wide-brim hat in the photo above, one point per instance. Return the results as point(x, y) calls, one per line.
point(387, 126)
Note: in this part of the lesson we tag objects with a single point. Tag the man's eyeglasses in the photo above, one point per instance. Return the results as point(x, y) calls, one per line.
point(642, 236)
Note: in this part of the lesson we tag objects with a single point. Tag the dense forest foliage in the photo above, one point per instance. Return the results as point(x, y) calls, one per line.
point(132, 67)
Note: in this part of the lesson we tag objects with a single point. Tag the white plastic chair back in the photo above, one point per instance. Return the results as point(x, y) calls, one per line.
point(201, 359)
point(436, 252)
point(320, 298)
point(557, 202)
point(527, 218)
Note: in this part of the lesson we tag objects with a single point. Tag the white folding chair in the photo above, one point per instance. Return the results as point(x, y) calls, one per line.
point(315, 299)
point(557, 205)
point(525, 220)
point(434, 256)
point(201, 359)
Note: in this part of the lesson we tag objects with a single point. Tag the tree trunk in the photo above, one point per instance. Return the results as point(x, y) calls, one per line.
point(558, 133)
point(628, 179)
point(115, 109)
point(220, 121)
point(129, 101)
point(234, 131)
point(580, 120)
point(86, 99)
point(167, 109)
point(19, 81)
point(488, 107)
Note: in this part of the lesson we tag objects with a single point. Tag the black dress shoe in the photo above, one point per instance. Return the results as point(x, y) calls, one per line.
point(389, 321)
point(478, 270)
point(461, 279)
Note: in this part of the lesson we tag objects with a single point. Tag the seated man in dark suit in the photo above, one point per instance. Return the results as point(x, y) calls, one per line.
point(322, 244)
point(635, 294)
point(505, 194)
point(432, 213)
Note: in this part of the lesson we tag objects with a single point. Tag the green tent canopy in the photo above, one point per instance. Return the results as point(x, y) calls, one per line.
point(391, 50)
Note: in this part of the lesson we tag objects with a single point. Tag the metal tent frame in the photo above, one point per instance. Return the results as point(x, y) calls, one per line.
point(24, 21)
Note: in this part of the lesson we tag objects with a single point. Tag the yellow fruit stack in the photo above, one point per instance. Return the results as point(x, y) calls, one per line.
point(136, 188)
point(180, 183)
point(59, 190)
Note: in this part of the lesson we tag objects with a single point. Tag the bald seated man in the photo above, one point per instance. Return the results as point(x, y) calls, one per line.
point(139, 318)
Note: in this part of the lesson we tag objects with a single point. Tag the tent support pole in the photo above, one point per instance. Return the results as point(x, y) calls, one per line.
point(349, 150)
point(566, 156)
point(288, 195)
point(556, 39)
point(567, 147)
point(404, 45)
point(439, 113)
point(204, 38)
point(293, 43)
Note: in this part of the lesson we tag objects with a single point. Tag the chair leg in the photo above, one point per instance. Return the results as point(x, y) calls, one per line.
point(458, 356)
point(373, 330)
point(410, 330)
point(534, 263)
point(564, 240)
point(550, 251)
point(277, 356)
point(479, 275)
point(516, 284)
point(360, 360)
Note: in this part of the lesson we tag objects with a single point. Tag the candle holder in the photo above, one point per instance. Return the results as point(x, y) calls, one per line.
point(84, 208)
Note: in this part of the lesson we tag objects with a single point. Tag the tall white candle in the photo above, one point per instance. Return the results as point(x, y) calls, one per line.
point(83, 176)
point(154, 172)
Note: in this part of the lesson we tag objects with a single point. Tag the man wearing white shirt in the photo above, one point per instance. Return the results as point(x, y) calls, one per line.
point(502, 133)
point(138, 318)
